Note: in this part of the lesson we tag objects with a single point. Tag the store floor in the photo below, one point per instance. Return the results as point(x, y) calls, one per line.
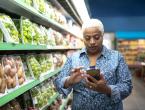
point(136, 101)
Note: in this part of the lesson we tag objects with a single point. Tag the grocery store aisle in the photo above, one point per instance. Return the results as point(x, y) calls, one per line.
point(136, 101)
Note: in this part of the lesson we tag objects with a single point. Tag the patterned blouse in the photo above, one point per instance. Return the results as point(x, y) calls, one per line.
point(115, 71)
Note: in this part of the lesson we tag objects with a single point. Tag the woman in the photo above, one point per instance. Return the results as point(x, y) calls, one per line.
point(89, 93)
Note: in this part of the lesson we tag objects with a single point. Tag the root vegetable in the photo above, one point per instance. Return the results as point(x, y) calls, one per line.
point(13, 72)
point(1, 71)
point(0, 82)
point(20, 72)
point(14, 84)
point(9, 82)
point(7, 69)
point(21, 80)
point(3, 86)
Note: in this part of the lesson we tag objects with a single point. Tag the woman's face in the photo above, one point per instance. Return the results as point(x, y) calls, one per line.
point(93, 39)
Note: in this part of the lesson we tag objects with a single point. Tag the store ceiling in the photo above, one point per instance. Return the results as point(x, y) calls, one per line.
point(119, 15)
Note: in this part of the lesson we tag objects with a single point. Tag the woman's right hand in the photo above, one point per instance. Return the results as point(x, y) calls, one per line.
point(77, 74)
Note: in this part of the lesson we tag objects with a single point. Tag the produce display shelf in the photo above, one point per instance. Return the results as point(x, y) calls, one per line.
point(25, 87)
point(20, 8)
point(50, 101)
point(12, 46)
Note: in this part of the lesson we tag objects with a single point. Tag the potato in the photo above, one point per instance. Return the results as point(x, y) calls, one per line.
point(20, 72)
point(13, 72)
point(3, 86)
point(7, 69)
point(1, 71)
point(8, 62)
point(9, 82)
point(14, 84)
point(21, 80)
point(0, 82)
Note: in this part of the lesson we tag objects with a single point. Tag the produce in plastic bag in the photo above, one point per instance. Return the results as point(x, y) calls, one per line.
point(38, 37)
point(42, 93)
point(37, 34)
point(34, 66)
point(51, 37)
point(49, 9)
point(28, 73)
point(2, 80)
point(44, 35)
point(29, 2)
point(10, 71)
point(46, 62)
point(27, 31)
point(20, 72)
point(58, 60)
point(36, 96)
point(9, 30)
point(40, 6)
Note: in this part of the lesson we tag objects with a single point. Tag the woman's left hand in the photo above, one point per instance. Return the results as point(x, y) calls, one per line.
point(98, 85)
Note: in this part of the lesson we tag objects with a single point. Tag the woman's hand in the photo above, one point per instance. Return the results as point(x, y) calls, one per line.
point(98, 85)
point(76, 76)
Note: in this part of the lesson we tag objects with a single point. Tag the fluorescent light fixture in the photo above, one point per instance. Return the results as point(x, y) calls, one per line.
point(81, 9)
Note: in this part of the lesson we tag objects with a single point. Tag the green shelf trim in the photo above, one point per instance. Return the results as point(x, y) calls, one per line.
point(50, 101)
point(50, 74)
point(15, 93)
point(53, 99)
point(12, 46)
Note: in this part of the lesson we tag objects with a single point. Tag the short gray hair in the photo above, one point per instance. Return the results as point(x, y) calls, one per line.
point(93, 23)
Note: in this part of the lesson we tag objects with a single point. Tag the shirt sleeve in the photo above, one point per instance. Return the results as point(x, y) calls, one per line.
point(123, 87)
point(63, 75)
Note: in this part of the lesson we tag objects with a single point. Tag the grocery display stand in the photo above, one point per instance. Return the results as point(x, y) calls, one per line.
point(13, 94)
point(18, 7)
point(22, 9)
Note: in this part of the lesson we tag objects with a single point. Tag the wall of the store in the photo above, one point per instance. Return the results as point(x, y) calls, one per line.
point(113, 24)
point(130, 35)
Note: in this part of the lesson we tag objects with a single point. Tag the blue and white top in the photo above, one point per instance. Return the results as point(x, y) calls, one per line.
point(112, 65)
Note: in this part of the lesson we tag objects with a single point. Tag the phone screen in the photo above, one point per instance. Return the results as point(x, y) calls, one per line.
point(94, 73)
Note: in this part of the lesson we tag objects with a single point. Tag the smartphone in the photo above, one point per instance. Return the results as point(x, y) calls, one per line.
point(94, 73)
